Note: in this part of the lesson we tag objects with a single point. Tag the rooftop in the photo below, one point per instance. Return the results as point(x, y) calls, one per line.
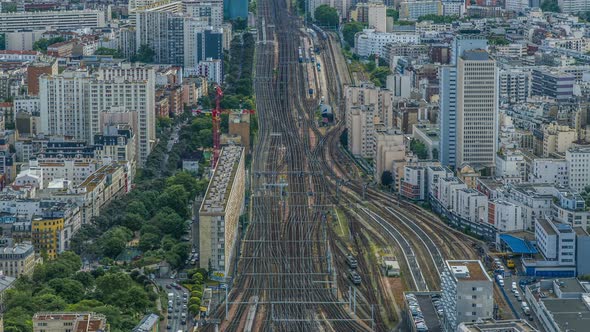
point(546, 226)
point(147, 323)
point(518, 245)
point(569, 285)
point(516, 325)
point(471, 270)
point(83, 321)
point(6, 282)
point(476, 55)
point(222, 180)
point(17, 249)
point(569, 314)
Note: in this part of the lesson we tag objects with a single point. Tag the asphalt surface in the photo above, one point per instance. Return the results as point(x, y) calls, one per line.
point(175, 322)
point(515, 302)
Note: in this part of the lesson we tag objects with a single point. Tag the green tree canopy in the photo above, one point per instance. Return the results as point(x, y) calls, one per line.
point(550, 6)
point(350, 30)
point(327, 16)
point(145, 54)
point(109, 51)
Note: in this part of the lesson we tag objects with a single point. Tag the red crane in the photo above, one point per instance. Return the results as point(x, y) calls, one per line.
point(216, 117)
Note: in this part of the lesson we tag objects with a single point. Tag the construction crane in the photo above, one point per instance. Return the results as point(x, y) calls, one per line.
point(216, 117)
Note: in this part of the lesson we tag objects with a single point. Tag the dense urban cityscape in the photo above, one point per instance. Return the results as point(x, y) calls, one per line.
point(280, 165)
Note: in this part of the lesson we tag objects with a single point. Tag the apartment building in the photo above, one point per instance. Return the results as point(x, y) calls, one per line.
point(220, 211)
point(411, 10)
point(470, 204)
point(548, 170)
point(477, 109)
point(361, 130)
point(505, 216)
point(510, 166)
point(467, 293)
point(371, 42)
point(390, 155)
point(41, 20)
point(578, 164)
point(53, 227)
point(535, 200)
point(17, 260)
point(514, 85)
point(557, 138)
point(368, 94)
point(69, 322)
point(209, 10)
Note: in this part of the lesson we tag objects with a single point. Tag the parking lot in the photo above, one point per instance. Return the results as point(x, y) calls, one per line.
point(423, 312)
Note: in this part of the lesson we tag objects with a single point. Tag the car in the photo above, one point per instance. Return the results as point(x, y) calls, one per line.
point(168, 286)
point(169, 316)
point(168, 327)
point(184, 306)
point(183, 322)
point(178, 287)
point(177, 310)
point(185, 295)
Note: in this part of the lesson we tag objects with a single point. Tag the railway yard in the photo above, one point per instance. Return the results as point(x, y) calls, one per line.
point(310, 207)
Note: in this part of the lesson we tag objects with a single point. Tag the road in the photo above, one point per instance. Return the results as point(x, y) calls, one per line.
point(174, 318)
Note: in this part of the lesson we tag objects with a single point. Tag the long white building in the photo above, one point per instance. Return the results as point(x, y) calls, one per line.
point(578, 165)
point(370, 42)
point(67, 19)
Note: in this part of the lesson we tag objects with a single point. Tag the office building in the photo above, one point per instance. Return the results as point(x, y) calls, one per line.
point(17, 260)
point(220, 211)
point(209, 44)
point(42, 20)
point(477, 109)
point(69, 322)
point(551, 83)
point(467, 293)
point(448, 97)
point(578, 164)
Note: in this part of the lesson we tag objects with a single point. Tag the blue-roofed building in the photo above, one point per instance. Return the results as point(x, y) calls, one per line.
point(517, 245)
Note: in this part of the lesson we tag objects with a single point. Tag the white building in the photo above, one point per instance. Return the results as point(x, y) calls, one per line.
point(510, 166)
point(570, 208)
point(42, 20)
point(30, 178)
point(447, 188)
point(212, 69)
point(517, 5)
point(471, 205)
point(74, 171)
point(467, 293)
point(414, 183)
point(27, 105)
point(548, 170)
point(535, 200)
point(433, 175)
point(505, 216)
point(477, 109)
point(390, 150)
point(370, 42)
point(22, 40)
point(578, 166)
point(556, 241)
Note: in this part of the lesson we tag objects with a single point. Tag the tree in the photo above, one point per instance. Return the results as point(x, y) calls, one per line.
point(327, 16)
point(109, 51)
point(70, 290)
point(2, 41)
point(42, 44)
point(419, 149)
point(393, 13)
point(350, 30)
point(145, 54)
point(386, 178)
point(550, 6)
point(438, 18)
point(149, 241)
